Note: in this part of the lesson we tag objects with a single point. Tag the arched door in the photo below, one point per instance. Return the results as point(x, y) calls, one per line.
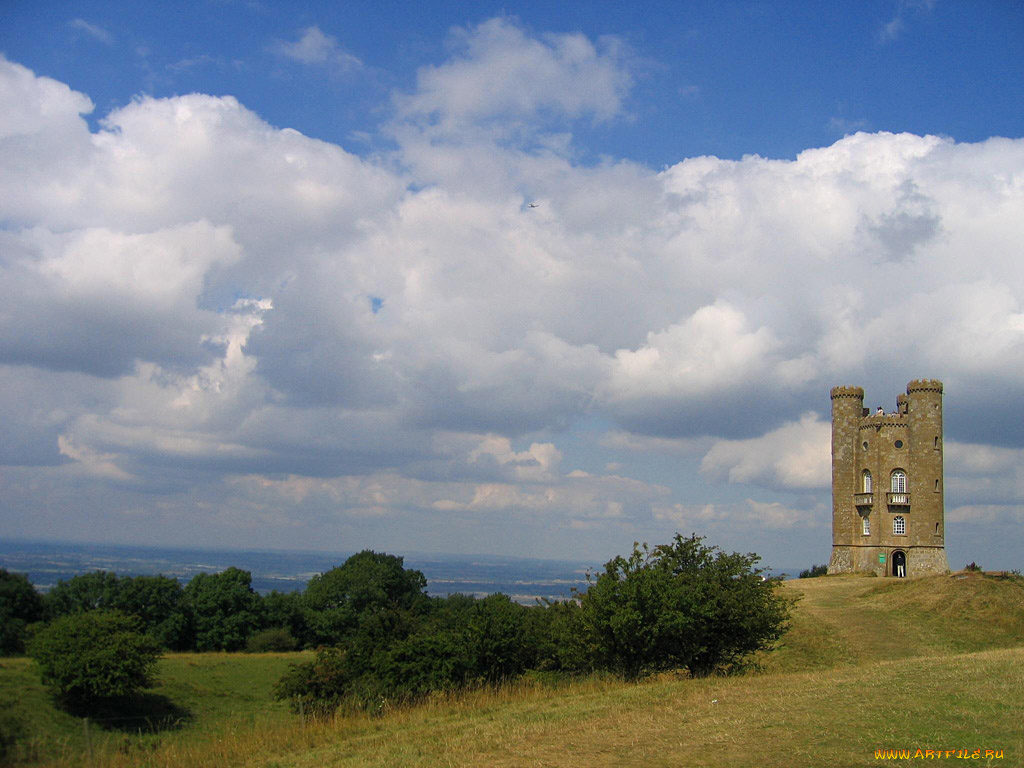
point(899, 564)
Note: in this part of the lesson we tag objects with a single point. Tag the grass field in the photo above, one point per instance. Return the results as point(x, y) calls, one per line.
point(869, 664)
point(197, 699)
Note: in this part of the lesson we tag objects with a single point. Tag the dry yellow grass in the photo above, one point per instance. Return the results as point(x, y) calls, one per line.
point(869, 664)
point(835, 717)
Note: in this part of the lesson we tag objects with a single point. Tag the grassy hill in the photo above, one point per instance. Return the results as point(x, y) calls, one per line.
point(851, 620)
point(869, 664)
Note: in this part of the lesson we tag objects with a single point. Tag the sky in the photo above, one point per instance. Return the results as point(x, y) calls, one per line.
point(537, 280)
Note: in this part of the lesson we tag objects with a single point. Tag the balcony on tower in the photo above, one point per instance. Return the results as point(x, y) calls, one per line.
point(864, 501)
point(898, 500)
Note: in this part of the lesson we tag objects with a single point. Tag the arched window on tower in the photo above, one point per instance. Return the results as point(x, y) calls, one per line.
point(898, 483)
point(866, 525)
point(865, 481)
point(899, 525)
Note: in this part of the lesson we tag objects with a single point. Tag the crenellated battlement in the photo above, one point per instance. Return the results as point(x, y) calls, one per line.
point(889, 420)
point(854, 392)
point(924, 385)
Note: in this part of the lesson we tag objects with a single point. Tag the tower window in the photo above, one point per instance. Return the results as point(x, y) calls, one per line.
point(935, 445)
point(866, 481)
point(866, 525)
point(899, 525)
point(936, 485)
point(898, 443)
point(864, 445)
point(936, 529)
point(898, 482)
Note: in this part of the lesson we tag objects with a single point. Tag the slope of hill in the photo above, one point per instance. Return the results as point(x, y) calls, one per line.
point(869, 664)
point(842, 620)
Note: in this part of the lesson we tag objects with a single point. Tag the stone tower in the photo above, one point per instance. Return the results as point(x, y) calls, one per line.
point(887, 509)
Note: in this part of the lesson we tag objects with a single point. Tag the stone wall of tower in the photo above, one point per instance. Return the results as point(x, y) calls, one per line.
point(847, 410)
point(927, 524)
point(864, 536)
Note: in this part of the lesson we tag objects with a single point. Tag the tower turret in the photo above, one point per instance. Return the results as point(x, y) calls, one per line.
point(847, 411)
point(927, 524)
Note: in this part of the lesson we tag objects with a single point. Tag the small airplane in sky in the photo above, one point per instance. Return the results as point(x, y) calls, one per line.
point(535, 205)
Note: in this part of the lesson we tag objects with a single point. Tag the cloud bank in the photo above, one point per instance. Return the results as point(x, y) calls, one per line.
point(249, 324)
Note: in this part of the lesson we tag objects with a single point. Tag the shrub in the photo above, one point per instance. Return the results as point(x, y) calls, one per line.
point(680, 605)
point(972, 566)
point(20, 605)
point(95, 655)
point(403, 670)
point(274, 639)
point(454, 642)
point(316, 687)
point(814, 571)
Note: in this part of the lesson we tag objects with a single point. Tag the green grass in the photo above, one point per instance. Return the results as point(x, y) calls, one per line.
point(868, 664)
point(197, 696)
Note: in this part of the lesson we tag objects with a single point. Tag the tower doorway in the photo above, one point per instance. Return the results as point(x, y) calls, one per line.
point(899, 564)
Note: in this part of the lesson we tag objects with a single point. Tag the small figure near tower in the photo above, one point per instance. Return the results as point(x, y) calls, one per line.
point(887, 506)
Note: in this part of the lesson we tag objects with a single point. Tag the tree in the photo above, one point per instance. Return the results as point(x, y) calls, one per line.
point(370, 592)
point(88, 592)
point(287, 610)
point(497, 639)
point(225, 609)
point(814, 572)
point(20, 605)
point(683, 605)
point(158, 601)
point(95, 655)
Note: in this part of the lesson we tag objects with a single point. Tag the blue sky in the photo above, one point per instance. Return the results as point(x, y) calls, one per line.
point(726, 79)
point(271, 279)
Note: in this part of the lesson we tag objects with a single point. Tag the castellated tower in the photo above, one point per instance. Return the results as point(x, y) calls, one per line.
point(887, 510)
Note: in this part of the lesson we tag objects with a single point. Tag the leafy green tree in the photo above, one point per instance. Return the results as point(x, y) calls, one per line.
point(680, 605)
point(156, 600)
point(814, 572)
point(20, 605)
point(159, 602)
point(225, 609)
point(497, 639)
point(368, 593)
point(287, 610)
point(87, 592)
point(95, 655)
